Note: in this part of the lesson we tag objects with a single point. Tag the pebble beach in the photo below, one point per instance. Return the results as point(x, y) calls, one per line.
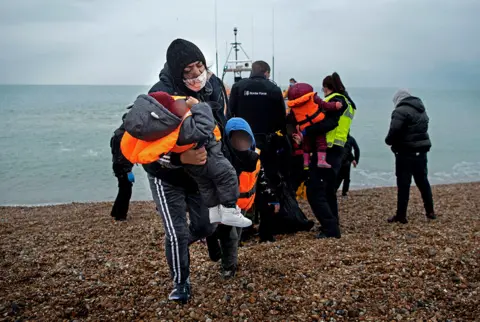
point(73, 262)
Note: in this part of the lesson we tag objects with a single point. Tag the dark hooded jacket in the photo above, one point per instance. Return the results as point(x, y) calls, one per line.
point(348, 156)
point(168, 167)
point(120, 164)
point(409, 127)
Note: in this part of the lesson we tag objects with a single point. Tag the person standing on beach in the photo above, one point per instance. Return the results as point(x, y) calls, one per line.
point(410, 142)
point(174, 191)
point(260, 102)
point(322, 182)
point(122, 168)
point(223, 244)
point(348, 159)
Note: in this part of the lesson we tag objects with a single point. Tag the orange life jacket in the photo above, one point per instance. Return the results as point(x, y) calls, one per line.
point(143, 152)
point(306, 111)
point(247, 186)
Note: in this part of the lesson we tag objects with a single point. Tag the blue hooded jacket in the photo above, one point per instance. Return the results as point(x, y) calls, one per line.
point(239, 124)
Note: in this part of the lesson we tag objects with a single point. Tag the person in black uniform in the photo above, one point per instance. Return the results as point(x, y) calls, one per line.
point(348, 159)
point(260, 102)
point(122, 168)
point(409, 139)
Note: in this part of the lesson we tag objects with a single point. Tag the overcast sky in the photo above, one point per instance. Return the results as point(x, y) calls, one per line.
point(390, 43)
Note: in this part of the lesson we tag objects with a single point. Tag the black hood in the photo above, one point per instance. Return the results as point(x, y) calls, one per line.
point(414, 102)
point(180, 53)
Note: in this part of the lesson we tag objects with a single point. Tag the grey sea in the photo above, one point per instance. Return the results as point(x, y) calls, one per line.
point(54, 141)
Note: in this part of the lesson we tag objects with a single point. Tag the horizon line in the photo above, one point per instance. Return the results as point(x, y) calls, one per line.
point(146, 85)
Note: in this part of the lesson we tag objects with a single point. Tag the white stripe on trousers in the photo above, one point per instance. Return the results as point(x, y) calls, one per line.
point(177, 274)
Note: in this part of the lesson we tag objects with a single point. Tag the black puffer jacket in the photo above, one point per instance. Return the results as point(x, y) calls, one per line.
point(409, 127)
point(168, 167)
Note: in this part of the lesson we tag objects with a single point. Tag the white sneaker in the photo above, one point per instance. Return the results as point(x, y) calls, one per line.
point(214, 215)
point(233, 217)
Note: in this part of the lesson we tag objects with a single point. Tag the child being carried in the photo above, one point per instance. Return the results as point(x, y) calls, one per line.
point(159, 124)
point(308, 108)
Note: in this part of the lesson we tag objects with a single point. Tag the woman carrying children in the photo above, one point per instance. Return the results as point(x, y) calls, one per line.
point(174, 191)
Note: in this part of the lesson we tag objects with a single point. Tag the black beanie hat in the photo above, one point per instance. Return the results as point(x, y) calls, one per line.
point(181, 53)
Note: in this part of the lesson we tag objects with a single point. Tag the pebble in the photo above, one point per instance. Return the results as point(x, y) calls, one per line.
point(251, 287)
point(243, 307)
point(456, 279)
point(340, 312)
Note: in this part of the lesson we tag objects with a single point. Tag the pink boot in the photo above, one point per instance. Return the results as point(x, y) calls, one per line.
point(322, 160)
point(306, 160)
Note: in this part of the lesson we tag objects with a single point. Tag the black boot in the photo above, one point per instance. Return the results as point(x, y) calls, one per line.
point(431, 216)
point(229, 272)
point(214, 250)
point(321, 235)
point(394, 219)
point(308, 226)
point(267, 238)
point(181, 292)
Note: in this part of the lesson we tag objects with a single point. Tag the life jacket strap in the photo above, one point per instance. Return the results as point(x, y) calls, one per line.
point(309, 119)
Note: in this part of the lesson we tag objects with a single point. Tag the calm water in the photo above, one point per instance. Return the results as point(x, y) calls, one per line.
point(54, 142)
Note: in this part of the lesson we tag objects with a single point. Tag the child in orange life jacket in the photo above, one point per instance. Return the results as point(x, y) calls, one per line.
point(308, 108)
point(217, 179)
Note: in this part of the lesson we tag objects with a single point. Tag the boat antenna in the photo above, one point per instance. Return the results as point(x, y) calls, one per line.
point(216, 39)
point(237, 66)
point(273, 43)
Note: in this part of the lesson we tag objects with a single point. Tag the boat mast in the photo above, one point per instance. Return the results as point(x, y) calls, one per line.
point(216, 39)
point(237, 66)
point(273, 43)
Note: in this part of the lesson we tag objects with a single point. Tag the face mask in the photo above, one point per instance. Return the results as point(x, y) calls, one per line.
point(291, 84)
point(196, 84)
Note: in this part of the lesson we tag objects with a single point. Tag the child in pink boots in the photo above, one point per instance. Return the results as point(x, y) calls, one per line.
point(308, 108)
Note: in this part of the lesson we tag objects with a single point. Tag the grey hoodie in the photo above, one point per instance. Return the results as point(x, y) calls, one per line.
point(400, 95)
point(149, 121)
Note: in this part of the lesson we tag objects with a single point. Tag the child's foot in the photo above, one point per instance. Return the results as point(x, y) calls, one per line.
point(306, 160)
point(233, 217)
point(322, 160)
point(214, 214)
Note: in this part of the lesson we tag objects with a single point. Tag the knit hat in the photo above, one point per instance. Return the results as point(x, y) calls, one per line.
point(163, 98)
point(298, 90)
point(181, 53)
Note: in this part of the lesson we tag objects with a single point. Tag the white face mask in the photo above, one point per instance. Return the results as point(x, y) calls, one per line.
point(196, 84)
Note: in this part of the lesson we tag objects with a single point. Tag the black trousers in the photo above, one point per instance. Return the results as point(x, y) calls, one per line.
point(322, 192)
point(122, 202)
point(225, 241)
point(344, 175)
point(408, 166)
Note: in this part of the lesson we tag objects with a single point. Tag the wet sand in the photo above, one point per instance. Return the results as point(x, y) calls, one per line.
point(72, 262)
